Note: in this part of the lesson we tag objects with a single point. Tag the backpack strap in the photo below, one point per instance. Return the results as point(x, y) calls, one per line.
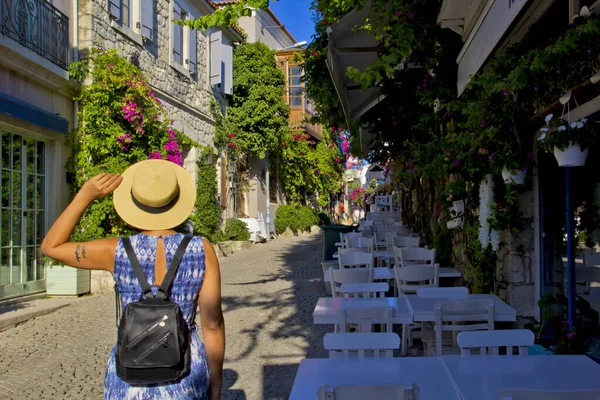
point(168, 279)
point(137, 268)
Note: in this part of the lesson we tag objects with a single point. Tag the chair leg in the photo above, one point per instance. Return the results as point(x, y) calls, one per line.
point(403, 340)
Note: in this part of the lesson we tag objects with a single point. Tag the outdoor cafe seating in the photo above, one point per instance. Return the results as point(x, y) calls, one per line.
point(397, 333)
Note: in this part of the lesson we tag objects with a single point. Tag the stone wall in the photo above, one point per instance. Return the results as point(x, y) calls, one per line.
point(515, 269)
point(186, 99)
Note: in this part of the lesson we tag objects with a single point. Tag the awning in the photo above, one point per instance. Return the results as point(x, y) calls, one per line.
point(349, 48)
point(482, 24)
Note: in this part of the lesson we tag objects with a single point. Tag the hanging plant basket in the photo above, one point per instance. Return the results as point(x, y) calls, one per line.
point(516, 177)
point(571, 156)
point(458, 208)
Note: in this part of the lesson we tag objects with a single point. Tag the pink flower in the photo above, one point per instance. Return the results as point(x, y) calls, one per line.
point(155, 155)
point(231, 145)
point(231, 136)
point(570, 335)
point(337, 159)
point(175, 158)
point(172, 146)
point(484, 123)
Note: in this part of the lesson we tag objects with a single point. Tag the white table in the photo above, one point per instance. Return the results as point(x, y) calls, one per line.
point(426, 372)
point(325, 312)
point(422, 308)
point(481, 378)
point(447, 272)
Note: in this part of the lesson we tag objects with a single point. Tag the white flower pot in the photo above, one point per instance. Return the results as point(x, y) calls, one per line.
point(62, 280)
point(511, 176)
point(572, 156)
point(458, 207)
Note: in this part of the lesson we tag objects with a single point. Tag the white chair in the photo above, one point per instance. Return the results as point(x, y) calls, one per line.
point(414, 255)
point(457, 316)
point(408, 281)
point(412, 278)
point(526, 394)
point(460, 292)
point(360, 242)
point(353, 257)
point(342, 276)
point(365, 318)
point(343, 345)
point(364, 290)
point(491, 341)
point(403, 241)
point(343, 236)
point(408, 391)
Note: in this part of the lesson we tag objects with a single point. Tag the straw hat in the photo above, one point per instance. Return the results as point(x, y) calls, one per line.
point(155, 195)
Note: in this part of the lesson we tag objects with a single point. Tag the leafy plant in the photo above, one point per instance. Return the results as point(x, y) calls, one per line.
point(555, 334)
point(297, 218)
point(235, 230)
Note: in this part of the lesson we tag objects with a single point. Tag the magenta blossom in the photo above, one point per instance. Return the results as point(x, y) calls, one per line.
point(484, 123)
point(155, 155)
point(570, 335)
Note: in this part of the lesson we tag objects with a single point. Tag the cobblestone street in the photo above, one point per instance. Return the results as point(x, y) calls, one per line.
point(269, 293)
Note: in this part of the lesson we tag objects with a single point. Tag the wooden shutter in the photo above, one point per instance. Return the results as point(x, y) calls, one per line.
point(147, 19)
point(216, 39)
point(192, 60)
point(114, 8)
point(177, 30)
point(227, 72)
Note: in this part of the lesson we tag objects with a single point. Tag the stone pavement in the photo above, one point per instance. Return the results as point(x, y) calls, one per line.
point(269, 293)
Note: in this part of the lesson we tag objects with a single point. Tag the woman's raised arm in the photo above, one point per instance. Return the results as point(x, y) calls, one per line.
point(96, 254)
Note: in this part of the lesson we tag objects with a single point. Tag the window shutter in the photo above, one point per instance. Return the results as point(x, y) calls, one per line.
point(216, 40)
point(146, 18)
point(114, 8)
point(192, 60)
point(227, 73)
point(177, 29)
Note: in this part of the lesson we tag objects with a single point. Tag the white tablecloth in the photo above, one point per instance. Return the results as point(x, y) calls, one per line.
point(481, 378)
point(427, 373)
point(422, 308)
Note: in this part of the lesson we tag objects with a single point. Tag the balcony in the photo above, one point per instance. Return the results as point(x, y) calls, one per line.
point(39, 26)
point(298, 122)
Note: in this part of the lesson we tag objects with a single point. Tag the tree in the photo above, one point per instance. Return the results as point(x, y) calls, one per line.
point(257, 117)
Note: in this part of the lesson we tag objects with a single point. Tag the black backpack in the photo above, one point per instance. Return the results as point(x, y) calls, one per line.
point(153, 344)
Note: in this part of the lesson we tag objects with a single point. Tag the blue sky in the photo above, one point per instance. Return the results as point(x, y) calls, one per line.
point(296, 17)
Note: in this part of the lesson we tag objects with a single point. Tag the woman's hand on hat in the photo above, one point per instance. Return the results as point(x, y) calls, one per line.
point(100, 186)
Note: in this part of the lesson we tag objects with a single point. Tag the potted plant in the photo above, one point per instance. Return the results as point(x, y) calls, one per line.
point(513, 164)
point(555, 335)
point(568, 141)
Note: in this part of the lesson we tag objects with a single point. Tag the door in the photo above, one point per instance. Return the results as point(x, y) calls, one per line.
point(23, 215)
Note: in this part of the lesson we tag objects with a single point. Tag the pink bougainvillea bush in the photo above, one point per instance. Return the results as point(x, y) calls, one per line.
point(121, 122)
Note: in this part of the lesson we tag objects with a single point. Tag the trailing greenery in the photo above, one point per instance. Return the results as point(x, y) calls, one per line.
point(297, 218)
point(121, 122)
point(235, 230)
point(207, 214)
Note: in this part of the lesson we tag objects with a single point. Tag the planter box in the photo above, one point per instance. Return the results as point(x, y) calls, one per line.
point(67, 281)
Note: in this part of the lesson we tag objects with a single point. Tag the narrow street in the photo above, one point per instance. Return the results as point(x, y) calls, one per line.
point(269, 293)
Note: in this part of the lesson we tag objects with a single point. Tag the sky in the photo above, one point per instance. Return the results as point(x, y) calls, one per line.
point(296, 17)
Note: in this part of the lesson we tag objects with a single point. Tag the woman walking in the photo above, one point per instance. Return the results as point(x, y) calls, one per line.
point(153, 196)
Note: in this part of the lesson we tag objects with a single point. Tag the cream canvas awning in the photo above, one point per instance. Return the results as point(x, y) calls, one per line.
point(352, 48)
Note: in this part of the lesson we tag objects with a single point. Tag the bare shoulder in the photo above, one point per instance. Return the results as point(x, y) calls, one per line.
point(209, 250)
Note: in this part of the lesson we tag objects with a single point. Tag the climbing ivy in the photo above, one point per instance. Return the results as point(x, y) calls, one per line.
point(207, 214)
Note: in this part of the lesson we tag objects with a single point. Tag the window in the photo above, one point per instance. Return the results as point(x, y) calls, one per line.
point(23, 220)
point(133, 18)
point(221, 62)
point(184, 43)
point(295, 86)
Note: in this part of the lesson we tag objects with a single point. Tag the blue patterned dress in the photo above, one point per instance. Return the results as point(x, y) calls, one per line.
point(186, 286)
